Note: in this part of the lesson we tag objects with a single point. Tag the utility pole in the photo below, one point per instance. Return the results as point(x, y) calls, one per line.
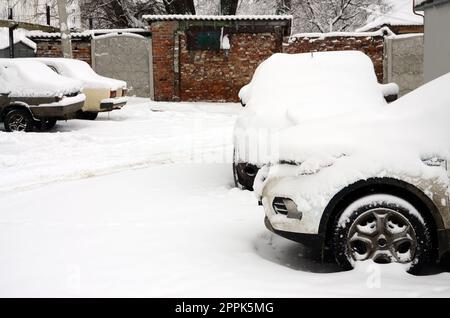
point(12, 27)
point(47, 13)
point(66, 43)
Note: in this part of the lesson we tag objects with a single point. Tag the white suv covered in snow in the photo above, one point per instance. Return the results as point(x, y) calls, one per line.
point(371, 185)
point(291, 89)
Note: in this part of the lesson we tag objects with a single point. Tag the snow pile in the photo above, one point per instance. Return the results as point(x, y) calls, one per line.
point(291, 89)
point(81, 71)
point(27, 78)
point(401, 13)
point(19, 36)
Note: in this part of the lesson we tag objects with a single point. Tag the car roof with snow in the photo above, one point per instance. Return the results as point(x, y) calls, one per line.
point(312, 85)
point(82, 71)
point(28, 78)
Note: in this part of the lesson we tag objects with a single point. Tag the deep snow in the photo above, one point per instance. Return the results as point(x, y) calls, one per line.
point(175, 227)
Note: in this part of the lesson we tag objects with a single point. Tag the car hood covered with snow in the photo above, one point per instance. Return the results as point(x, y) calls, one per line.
point(81, 71)
point(289, 90)
point(405, 140)
point(27, 78)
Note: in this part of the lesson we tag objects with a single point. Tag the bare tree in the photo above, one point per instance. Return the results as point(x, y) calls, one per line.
point(66, 44)
point(118, 13)
point(179, 6)
point(228, 7)
point(334, 15)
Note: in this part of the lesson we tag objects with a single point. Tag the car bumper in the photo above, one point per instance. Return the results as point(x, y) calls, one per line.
point(315, 241)
point(113, 103)
point(60, 112)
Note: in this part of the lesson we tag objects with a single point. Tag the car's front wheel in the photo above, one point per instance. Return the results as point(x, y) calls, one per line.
point(18, 120)
point(382, 228)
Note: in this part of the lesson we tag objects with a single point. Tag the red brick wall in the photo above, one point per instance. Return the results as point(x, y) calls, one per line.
point(372, 46)
point(52, 48)
point(163, 42)
point(216, 76)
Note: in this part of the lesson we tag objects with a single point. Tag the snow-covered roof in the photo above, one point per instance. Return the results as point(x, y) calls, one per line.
point(401, 13)
point(422, 4)
point(381, 32)
point(170, 17)
point(84, 34)
point(19, 36)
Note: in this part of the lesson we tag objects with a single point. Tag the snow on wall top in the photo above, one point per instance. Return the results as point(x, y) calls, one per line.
point(422, 4)
point(401, 13)
point(168, 17)
point(87, 33)
point(19, 36)
point(381, 32)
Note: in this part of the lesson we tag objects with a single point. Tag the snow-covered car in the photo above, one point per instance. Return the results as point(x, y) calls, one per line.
point(287, 89)
point(32, 96)
point(103, 94)
point(371, 186)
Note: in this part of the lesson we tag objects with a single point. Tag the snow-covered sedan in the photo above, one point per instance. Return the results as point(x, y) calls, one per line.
point(32, 96)
point(103, 94)
point(367, 186)
point(288, 89)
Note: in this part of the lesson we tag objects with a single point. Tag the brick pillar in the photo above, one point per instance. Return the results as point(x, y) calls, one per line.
point(163, 44)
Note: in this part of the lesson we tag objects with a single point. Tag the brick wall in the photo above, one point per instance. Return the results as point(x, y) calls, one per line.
point(181, 74)
point(373, 46)
point(52, 48)
point(217, 76)
point(163, 43)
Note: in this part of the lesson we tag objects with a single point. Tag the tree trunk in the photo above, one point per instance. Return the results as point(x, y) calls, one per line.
point(66, 44)
point(228, 7)
point(179, 6)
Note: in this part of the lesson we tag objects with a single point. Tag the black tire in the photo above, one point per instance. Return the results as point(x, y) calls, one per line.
point(18, 120)
point(388, 242)
point(244, 175)
point(86, 115)
point(46, 125)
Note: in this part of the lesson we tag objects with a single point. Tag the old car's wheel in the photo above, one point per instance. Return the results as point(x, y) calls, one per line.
point(384, 229)
point(86, 115)
point(18, 120)
point(45, 125)
point(244, 174)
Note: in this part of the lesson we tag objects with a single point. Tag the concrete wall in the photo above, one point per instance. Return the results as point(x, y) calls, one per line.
point(437, 41)
point(124, 57)
point(403, 62)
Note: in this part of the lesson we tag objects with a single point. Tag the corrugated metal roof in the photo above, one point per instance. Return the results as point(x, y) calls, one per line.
point(177, 17)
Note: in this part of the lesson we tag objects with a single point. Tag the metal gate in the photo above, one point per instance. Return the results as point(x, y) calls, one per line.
point(126, 57)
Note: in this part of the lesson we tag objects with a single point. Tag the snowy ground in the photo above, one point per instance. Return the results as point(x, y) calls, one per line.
point(141, 203)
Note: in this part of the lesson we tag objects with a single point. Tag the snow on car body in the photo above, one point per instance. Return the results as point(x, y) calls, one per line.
point(289, 89)
point(385, 164)
point(32, 95)
point(103, 94)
